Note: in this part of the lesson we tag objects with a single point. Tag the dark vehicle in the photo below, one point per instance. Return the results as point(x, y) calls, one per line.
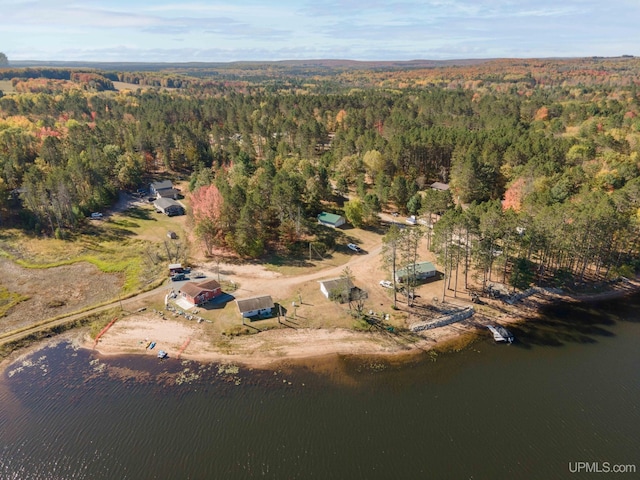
point(178, 276)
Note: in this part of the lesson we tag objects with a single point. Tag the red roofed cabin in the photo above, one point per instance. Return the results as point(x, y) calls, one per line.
point(199, 293)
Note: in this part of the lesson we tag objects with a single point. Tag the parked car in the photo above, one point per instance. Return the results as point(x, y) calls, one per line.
point(178, 276)
point(354, 247)
point(386, 284)
point(96, 215)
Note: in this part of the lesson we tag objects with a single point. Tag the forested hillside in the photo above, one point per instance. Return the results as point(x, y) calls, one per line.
point(542, 156)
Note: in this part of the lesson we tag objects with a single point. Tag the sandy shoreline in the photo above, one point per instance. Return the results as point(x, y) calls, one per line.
point(131, 335)
point(261, 350)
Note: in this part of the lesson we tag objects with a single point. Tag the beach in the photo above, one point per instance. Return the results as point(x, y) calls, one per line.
point(131, 335)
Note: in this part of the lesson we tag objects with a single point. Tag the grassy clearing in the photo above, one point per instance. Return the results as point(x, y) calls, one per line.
point(144, 223)
point(110, 253)
point(9, 299)
point(131, 243)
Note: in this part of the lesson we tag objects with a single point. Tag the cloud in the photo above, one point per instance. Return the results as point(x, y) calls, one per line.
point(358, 29)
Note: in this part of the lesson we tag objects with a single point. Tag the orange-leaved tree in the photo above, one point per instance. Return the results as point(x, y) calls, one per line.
point(206, 205)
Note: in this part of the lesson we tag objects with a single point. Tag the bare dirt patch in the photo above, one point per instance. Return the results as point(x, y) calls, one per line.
point(54, 291)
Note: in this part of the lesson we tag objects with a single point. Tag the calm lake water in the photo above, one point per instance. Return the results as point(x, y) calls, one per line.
point(567, 391)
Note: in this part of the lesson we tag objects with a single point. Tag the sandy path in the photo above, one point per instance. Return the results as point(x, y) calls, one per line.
point(257, 280)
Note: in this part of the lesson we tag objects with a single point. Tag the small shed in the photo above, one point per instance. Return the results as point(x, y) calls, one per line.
point(168, 207)
point(337, 288)
point(175, 268)
point(199, 293)
point(259, 306)
point(419, 271)
point(331, 220)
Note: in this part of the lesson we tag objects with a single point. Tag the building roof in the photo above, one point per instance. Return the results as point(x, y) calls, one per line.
point(331, 218)
point(165, 203)
point(164, 184)
point(168, 192)
point(339, 284)
point(255, 303)
point(209, 285)
point(194, 289)
point(421, 267)
point(440, 186)
point(173, 266)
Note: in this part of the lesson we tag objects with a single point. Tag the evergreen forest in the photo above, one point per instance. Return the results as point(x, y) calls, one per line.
point(542, 157)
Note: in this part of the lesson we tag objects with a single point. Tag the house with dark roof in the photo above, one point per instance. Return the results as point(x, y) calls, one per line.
point(169, 193)
point(156, 187)
point(260, 306)
point(331, 220)
point(199, 293)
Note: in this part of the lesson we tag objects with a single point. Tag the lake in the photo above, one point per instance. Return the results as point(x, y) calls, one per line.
point(567, 391)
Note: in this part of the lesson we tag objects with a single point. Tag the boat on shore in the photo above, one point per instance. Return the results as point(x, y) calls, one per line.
point(501, 334)
point(152, 345)
point(162, 354)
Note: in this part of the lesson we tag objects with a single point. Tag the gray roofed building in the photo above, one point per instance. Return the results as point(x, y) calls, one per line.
point(439, 186)
point(169, 193)
point(155, 187)
point(261, 305)
point(337, 289)
point(168, 206)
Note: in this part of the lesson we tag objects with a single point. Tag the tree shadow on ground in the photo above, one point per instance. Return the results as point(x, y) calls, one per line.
point(113, 232)
point(290, 261)
point(140, 213)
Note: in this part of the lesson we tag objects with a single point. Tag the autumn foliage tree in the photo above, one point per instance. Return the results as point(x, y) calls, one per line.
point(206, 205)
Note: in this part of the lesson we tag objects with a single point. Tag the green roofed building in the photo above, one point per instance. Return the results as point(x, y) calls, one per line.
point(331, 220)
point(421, 271)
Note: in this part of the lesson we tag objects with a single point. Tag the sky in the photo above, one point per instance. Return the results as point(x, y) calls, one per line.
point(261, 30)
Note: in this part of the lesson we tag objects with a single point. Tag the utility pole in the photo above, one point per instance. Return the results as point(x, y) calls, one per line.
point(444, 283)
